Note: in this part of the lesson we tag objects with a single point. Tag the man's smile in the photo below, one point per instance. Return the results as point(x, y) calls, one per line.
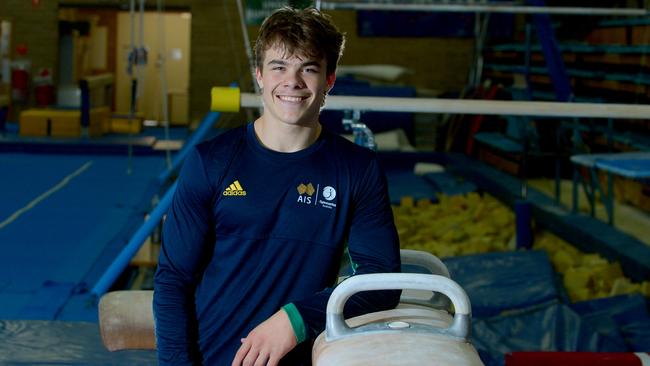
point(292, 98)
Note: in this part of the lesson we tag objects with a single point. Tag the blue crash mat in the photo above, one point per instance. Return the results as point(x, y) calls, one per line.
point(550, 327)
point(503, 281)
point(625, 314)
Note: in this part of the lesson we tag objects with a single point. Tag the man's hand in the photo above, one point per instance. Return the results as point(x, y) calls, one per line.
point(267, 343)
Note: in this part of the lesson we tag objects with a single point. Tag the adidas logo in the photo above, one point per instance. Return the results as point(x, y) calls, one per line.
point(235, 189)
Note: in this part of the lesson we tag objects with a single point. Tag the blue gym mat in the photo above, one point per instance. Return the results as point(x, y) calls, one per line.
point(60, 215)
point(504, 281)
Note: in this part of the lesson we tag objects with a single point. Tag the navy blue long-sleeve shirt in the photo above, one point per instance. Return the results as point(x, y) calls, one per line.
point(251, 231)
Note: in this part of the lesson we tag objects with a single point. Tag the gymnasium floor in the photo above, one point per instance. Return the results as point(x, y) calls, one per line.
point(66, 210)
point(64, 218)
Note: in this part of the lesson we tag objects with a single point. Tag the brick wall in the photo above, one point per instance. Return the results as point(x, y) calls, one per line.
point(35, 26)
point(437, 63)
point(217, 50)
point(218, 56)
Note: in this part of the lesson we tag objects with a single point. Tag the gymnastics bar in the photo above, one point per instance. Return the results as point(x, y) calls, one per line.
point(199, 135)
point(122, 261)
point(136, 241)
point(471, 106)
point(486, 8)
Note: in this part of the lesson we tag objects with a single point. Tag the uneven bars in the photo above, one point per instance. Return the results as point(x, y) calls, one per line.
point(484, 8)
point(471, 106)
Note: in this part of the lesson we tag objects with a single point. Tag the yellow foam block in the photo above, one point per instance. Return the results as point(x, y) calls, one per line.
point(563, 260)
point(99, 121)
point(225, 99)
point(407, 201)
point(645, 288)
point(33, 122)
point(65, 123)
point(60, 123)
point(124, 124)
point(577, 278)
point(623, 285)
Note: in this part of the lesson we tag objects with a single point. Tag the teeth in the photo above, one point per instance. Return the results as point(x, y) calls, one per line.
point(290, 99)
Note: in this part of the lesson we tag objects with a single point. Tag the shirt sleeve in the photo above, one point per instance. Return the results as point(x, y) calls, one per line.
point(187, 232)
point(373, 245)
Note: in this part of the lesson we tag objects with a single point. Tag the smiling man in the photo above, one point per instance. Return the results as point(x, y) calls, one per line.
point(261, 216)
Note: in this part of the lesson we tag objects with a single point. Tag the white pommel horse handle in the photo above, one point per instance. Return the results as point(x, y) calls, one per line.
point(337, 328)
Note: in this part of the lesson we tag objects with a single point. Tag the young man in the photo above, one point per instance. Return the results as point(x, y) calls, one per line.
point(253, 240)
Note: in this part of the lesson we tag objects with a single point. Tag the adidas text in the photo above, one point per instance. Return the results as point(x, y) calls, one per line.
point(234, 193)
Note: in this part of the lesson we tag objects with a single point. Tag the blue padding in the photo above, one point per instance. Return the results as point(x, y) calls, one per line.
point(637, 167)
point(448, 184)
point(135, 243)
point(402, 183)
point(47, 302)
point(499, 141)
point(551, 327)
point(68, 236)
point(523, 227)
point(626, 314)
point(496, 282)
point(62, 343)
point(634, 165)
point(199, 135)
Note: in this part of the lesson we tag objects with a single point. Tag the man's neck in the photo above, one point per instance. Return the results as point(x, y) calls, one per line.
point(284, 137)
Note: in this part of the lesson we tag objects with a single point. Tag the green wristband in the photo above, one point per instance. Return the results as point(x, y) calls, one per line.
point(297, 323)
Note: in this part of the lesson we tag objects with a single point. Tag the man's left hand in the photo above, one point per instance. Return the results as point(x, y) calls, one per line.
point(267, 343)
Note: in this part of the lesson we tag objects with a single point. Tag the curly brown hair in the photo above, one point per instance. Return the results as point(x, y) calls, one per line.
point(306, 32)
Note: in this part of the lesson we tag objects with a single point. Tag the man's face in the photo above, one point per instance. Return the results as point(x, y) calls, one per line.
point(293, 87)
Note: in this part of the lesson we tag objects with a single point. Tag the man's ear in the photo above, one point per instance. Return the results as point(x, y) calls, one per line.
point(330, 80)
point(258, 76)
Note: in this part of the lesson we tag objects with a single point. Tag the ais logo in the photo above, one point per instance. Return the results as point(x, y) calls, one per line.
point(305, 192)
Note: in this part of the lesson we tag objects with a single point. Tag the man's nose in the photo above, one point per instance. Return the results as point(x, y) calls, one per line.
point(294, 80)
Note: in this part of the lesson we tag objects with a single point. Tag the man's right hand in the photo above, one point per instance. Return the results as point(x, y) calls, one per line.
point(267, 343)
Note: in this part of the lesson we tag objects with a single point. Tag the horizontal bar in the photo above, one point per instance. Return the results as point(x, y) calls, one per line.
point(122, 261)
point(470, 106)
point(486, 8)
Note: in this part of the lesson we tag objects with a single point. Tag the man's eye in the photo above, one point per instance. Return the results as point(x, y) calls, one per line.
point(278, 68)
point(311, 70)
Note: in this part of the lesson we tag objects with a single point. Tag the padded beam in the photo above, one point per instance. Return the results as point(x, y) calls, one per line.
point(126, 320)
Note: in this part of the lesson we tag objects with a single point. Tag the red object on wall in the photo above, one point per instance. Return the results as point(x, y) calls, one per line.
point(576, 359)
point(44, 88)
point(44, 95)
point(19, 84)
point(20, 69)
